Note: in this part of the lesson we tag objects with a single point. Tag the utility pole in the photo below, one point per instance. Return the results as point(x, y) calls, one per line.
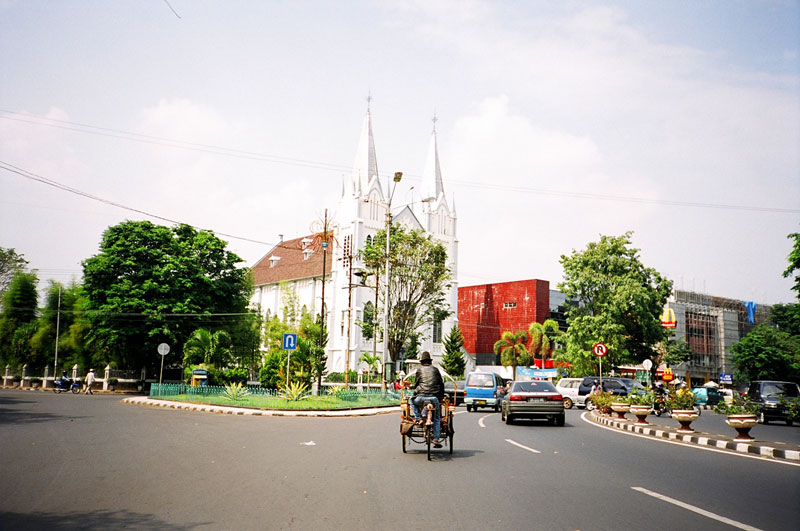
point(58, 324)
point(398, 175)
point(348, 249)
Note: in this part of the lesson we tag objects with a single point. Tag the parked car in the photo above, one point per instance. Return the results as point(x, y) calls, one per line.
point(533, 399)
point(773, 397)
point(459, 391)
point(568, 387)
point(483, 389)
point(706, 396)
point(614, 385)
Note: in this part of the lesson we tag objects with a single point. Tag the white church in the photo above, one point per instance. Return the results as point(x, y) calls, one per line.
point(292, 272)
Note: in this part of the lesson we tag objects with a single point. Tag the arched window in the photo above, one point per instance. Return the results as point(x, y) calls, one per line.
point(369, 240)
point(368, 323)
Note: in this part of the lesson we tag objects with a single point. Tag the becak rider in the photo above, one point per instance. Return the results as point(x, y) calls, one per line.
point(428, 387)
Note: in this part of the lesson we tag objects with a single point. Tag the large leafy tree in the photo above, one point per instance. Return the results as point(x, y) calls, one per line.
point(794, 262)
point(210, 348)
point(767, 354)
point(618, 302)
point(11, 263)
point(58, 316)
point(513, 350)
point(18, 319)
point(453, 359)
point(149, 284)
point(418, 281)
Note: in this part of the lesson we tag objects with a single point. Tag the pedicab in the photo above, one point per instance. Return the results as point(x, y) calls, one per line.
point(422, 433)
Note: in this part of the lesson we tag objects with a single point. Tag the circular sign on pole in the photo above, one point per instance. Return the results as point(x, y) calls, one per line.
point(600, 349)
point(163, 349)
point(647, 364)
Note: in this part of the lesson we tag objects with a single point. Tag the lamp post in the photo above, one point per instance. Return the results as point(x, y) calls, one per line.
point(398, 175)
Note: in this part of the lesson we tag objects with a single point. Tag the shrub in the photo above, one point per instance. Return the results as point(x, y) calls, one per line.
point(680, 399)
point(235, 375)
point(338, 377)
point(639, 399)
point(235, 391)
point(741, 405)
point(113, 381)
point(296, 391)
point(603, 400)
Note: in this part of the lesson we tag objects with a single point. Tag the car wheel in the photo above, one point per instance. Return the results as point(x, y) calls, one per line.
point(762, 418)
point(789, 422)
point(589, 404)
point(497, 408)
point(469, 407)
point(508, 419)
point(560, 420)
point(568, 403)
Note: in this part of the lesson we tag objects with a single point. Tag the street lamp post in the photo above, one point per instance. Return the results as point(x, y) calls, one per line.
point(398, 175)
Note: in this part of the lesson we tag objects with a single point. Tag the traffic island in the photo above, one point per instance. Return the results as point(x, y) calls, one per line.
point(759, 448)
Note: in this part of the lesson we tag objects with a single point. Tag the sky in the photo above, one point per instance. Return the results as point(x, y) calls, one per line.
point(557, 122)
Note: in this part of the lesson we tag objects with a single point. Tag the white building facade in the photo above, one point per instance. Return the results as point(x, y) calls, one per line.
point(292, 272)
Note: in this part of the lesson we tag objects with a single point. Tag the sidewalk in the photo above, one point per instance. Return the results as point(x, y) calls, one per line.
point(231, 410)
point(757, 447)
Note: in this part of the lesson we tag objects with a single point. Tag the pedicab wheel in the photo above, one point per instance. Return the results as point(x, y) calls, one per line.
point(404, 443)
point(450, 442)
point(428, 440)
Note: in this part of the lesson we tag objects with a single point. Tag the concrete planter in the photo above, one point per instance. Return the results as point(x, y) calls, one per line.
point(742, 424)
point(685, 417)
point(620, 408)
point(641, 412)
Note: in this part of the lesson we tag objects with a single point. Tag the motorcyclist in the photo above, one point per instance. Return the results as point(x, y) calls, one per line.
point(428, 387)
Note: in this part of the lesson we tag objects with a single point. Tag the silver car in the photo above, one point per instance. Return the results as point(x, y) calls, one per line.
point(568, 387)
point(533, 399)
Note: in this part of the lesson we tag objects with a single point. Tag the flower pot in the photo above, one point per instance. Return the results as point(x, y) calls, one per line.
point(641, 411)
point(620, 408)
point(742, 424)
point(685, 417)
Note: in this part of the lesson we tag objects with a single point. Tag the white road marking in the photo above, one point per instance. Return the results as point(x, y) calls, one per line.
point(480, 421)
point(515, 443)
point(688, 445)
point(309, 443)
point(697, 510)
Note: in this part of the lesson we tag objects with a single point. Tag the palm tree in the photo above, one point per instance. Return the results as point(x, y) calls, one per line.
point(543, 335)
point(207, 347)
point(372, 363)
point(512, 350)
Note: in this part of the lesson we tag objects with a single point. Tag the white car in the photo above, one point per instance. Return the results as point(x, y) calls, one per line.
point(568, 387)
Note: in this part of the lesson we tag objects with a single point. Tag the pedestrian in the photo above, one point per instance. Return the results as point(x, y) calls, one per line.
point(89, 382)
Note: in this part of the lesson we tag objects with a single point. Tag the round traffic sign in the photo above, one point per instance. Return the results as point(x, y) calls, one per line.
point(163, 349)
point(600, 349)
point(647, 364)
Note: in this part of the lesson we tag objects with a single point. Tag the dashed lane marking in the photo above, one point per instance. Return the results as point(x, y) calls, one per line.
point(515, 443)
point(697, 510)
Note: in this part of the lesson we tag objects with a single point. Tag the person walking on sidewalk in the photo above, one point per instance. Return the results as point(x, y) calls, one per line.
point(89, 382)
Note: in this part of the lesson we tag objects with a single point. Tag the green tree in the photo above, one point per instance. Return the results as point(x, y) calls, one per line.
point(618, 302)
point(786, 317)
point(149, 280)
point(671, 352)
point(513, 350)
point(208, 348)
point(11, 263)
point(543, 337)
point(18, 319)
point(453, 360)
point(794, 262)
point(372, 361)
point(317, 336)
point(418, 281)
point(767, 354)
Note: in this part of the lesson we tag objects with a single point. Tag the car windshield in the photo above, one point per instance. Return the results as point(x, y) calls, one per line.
point(780, 388)
point(533, 387)
point(481, 380)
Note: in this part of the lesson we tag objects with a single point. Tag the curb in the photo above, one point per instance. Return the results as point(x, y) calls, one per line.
point(700, 439)
point(231, 410)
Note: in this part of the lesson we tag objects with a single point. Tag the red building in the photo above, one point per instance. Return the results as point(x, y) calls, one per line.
point(488, 310)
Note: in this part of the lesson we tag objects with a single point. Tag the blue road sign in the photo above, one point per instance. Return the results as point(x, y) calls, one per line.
point(289, 341)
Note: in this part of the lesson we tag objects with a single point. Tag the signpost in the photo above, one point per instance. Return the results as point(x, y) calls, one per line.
point(600, 350)
point(647, 364)
point(289, 344)
point(163, 349)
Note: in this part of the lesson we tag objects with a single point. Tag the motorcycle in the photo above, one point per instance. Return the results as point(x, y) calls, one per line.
point(66, 385)
point(660, 404)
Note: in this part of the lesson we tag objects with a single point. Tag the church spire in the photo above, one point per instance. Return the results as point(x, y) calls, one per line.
point(366, 164)
point(432, 174)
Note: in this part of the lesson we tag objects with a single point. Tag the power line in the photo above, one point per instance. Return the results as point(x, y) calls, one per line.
point(230, 152)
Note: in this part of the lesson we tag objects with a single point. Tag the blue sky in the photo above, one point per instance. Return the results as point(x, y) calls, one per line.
point(557, 122)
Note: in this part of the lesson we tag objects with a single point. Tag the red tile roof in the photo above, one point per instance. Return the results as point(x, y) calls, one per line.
point(292, 264)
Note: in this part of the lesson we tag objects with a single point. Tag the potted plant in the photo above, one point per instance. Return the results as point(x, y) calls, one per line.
point(742, 415)
point(681, 404)
point(620, 408)
point(112, 383)
point(602, 400)
point(36, 382)
point(640, 404)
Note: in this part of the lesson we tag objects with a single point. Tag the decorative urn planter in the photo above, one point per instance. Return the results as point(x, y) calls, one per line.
point(620, 408)
point(641, 411)
point(685, 417)
point(742, 424)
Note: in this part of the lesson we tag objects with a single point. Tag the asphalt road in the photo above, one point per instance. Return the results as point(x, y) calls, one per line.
point(91, 462)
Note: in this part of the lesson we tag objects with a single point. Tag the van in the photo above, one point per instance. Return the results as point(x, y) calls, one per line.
point(568, 387)
point(483, 389)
